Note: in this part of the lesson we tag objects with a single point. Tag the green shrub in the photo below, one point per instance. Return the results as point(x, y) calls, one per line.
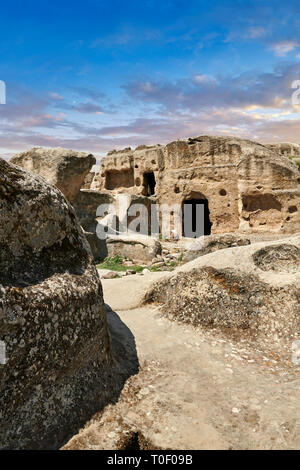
point(115, 263)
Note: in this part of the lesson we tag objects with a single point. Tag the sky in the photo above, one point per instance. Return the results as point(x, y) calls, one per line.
point(100, 75)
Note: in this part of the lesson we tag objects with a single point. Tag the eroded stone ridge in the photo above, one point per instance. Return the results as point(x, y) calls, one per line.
point(287, 149)
point(64, 168)
point(52, 317)
point(253, 288)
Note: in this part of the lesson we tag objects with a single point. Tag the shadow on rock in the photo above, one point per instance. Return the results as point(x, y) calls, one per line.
point(124, 364)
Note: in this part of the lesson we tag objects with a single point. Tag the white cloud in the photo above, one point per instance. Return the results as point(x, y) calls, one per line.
point(55, 96)
point(281, 49)
point(201, 78)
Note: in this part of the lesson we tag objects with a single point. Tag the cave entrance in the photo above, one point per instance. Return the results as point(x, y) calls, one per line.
point(196, 220)
point(149, 184)
point(119, 179)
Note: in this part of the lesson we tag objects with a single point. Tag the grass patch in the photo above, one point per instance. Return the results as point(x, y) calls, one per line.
point(295, 160)
point(115, 263)
point(172, 264)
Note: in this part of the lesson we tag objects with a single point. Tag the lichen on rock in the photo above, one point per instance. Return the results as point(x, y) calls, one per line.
point(53, 323)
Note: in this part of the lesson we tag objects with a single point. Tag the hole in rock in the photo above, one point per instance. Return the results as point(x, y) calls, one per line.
point(264, 202)
point(149, 184)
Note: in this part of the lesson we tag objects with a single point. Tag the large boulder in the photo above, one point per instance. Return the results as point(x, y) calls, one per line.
point(211, 243)
point(138, 248)
point(87, 205)
point(254, 288)
point(64, 168)
point(52, 320)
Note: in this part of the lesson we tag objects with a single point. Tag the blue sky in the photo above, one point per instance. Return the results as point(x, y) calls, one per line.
point(97, 75)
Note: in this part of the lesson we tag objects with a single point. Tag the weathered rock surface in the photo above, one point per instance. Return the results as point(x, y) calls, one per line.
point(243, 185)
point(88, 180)
point(52, 319)
point(286, 149)
point(278, 258)
point(136, 247)
point(87, 206)
point(212, 243)
point(253, 288)
point(107, 274)
point(66, 169)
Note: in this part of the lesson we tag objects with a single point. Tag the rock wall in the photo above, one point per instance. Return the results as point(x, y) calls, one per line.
point(58, 366)
point(226, 172)
point(269, 194)
point(243, 186)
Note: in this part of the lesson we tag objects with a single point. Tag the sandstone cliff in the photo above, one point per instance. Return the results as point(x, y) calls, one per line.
point(243, 185)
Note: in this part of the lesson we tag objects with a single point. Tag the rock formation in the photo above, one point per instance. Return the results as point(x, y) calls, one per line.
point(139, 248)
point(52, 320)
point(86, 206)
point(212, 243)
point(243, 185)
point(253, 288)
point(88, 180)
point(63, 168)
point(286, 149)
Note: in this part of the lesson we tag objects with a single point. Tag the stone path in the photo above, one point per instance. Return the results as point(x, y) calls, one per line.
point(195, 389)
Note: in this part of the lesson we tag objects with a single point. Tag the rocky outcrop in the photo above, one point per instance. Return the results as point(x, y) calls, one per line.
point(213, 243)
point(140, 249)
point(283, 258)
point(88, 180)
point(66, 169)
point(286, 149)
point(86, 205)
point(242, 185)
point(251, 288)
point(88, 210)
point(52, 321)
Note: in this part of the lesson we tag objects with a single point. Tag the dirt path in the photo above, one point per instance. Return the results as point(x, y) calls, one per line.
point(195, 389)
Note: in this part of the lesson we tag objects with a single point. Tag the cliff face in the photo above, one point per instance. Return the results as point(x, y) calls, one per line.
point(242, 185)
point(246, 186)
